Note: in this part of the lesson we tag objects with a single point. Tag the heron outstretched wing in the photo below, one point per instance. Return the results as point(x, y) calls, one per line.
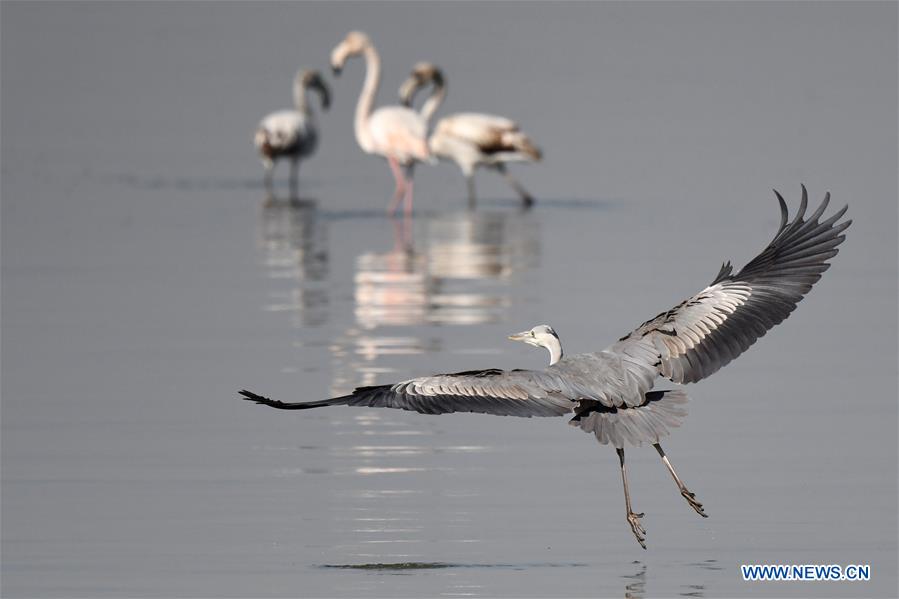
point(685, 344)
point(523, 393)
point(704, 333)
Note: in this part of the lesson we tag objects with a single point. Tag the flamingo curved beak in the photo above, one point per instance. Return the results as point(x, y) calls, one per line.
point(324, 93)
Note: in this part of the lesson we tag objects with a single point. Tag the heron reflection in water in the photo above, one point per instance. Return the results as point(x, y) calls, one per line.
point(635, 588)
point(458, 277)
point(294, 239)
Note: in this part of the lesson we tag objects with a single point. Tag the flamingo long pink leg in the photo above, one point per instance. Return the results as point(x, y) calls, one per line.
point(399, 235)
point(408, 202)
point(410, 182)
point(400, 185)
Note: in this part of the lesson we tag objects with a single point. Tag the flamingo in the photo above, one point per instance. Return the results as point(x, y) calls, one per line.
point(291, 134)
point(471, 139)
point(397, 133)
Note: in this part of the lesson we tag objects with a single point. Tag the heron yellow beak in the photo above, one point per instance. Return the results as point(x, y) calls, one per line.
point(520, 336)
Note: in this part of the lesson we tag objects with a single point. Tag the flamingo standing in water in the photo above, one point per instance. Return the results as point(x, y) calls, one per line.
point(471, 139)
point(397, 133)
point(291, 134)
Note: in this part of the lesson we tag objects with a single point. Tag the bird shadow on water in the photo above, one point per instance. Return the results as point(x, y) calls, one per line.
point(189, 183)
point(635, 582)
point(408, 567)
point(593, 204)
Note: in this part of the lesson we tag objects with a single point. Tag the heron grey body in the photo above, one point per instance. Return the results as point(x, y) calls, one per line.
point(610, 392)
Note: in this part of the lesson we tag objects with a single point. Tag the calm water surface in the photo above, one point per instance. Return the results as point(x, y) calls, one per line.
point(145, 281)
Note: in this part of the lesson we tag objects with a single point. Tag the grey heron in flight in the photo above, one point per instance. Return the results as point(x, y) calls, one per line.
point(610, 392)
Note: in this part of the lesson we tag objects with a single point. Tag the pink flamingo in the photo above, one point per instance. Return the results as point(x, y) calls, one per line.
point(397, 133)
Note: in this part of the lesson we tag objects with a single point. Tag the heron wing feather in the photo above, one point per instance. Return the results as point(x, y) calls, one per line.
point(705, 332)
point(507, 393)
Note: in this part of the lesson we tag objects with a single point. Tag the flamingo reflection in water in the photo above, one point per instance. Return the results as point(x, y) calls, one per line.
point(294, 239)
point(459, 277)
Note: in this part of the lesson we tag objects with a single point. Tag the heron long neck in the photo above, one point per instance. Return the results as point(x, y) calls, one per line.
point(367, 97)
point(299, 97)
point(555, 350)
point(434, 101)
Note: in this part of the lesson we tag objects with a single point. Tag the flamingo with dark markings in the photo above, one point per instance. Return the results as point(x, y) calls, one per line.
point(291, 134)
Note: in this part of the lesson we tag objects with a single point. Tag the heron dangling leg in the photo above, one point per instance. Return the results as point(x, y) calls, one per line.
point(527, 200)
point(632, 518)
point(400, 190)
point(690, 497)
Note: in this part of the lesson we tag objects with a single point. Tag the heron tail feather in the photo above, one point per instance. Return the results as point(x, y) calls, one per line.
point(303, 405)
point(646, 423)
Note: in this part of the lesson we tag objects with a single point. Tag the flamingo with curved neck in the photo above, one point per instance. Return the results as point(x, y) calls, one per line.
point(423, 74)
point(291, 134)
point(397, 133)
point(470, 139)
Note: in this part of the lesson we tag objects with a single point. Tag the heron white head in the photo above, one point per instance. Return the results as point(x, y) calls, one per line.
point(542, 336)
point(354, 44)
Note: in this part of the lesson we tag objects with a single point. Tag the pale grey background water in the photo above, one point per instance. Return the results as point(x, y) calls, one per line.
point(143, 284)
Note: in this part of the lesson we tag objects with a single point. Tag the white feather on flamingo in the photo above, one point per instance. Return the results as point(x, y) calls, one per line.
point(470, 139)
point(291, 134)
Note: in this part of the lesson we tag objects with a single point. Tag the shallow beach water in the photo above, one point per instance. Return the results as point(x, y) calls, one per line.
point(145, 281)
